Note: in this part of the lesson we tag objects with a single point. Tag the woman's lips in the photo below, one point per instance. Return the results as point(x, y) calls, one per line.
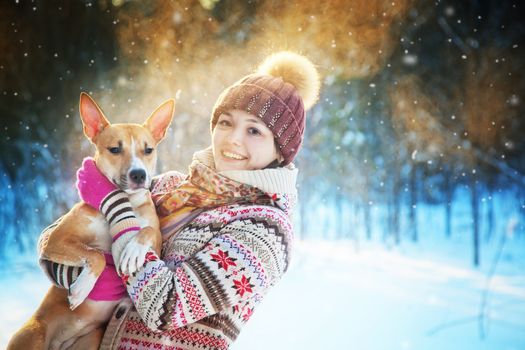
point(233, 155)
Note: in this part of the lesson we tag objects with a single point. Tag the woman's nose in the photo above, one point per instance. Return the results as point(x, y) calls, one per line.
point(236, 136)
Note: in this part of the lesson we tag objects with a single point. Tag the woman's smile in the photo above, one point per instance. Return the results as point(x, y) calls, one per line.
point(233, 156)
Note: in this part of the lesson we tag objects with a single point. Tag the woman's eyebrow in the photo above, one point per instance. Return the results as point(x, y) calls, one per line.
point(258, 121)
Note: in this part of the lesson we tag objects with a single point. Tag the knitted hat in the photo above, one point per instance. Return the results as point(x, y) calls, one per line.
point(284, 86)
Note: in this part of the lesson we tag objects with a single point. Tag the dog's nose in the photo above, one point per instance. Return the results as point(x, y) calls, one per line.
point(138, 176)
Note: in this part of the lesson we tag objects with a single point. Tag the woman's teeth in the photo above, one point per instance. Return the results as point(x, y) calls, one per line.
point(233, 155)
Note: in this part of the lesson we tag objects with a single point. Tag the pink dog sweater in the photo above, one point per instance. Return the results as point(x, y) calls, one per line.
point(109, 286)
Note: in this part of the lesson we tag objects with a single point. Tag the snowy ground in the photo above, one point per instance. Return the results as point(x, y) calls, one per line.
point(376, 299)
point(336, 296)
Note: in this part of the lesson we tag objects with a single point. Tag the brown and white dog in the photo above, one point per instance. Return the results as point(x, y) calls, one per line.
point(82, 234)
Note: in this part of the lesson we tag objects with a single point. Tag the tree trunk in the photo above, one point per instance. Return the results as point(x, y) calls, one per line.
point(396, 214)
point(354, 222)
point(20, 239)
point(490, 214)
point(339, 214)
point(326, 224)
point(448, 205)
point(303, 204)
point(368, 219)
point(413, 203)
point(475, 220)
point(389, 229)
point(521, 210)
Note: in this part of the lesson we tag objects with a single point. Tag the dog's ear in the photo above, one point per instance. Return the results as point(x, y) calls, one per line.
point(159, 121)
point(92, 117)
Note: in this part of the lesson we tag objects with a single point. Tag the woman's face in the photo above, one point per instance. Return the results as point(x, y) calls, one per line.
point(241, 141)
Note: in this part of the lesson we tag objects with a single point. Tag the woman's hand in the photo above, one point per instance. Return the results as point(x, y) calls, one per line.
point(92, 185)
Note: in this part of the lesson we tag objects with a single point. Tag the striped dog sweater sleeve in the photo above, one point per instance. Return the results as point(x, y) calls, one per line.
point(119, 214)
point(60, 275)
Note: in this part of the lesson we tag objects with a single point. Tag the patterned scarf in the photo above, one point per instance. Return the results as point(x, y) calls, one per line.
point(202, 190)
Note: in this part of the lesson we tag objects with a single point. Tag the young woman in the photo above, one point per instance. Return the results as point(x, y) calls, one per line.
point(226, 226)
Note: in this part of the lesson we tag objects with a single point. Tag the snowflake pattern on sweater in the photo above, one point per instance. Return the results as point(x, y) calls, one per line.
point(214, 273)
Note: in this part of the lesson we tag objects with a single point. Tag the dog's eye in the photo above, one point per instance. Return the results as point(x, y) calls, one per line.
point(148, 150)
point(114, 150)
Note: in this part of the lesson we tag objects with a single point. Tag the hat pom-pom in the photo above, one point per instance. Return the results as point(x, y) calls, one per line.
point(296, 70)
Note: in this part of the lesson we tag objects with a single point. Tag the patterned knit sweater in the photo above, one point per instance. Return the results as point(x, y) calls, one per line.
point(213, 272)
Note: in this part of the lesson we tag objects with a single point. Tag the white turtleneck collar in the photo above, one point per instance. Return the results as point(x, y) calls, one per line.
point(275, 180)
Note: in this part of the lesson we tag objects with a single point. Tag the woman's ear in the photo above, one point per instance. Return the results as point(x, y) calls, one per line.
point(280, 157)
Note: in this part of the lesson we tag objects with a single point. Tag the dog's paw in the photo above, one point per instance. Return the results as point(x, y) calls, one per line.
point(79, 290)
point(133, 257)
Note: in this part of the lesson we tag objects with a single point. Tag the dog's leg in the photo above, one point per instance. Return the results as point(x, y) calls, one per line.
point(79, 254)
point(149, 237)
point(150, 234)
point(90, 341)
point(152, 237)
point(68, 245)
point(32, 335)
point(51, 316)
point(135, 251)
point(81, 288)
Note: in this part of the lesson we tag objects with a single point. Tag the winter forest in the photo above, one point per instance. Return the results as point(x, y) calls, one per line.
point(410, 228)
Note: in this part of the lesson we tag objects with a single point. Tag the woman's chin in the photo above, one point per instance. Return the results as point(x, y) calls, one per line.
point(230, 165)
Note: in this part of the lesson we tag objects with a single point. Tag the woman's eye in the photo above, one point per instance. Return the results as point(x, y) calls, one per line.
point(224, 123)
point(148, 150)
point(114, 150)
point(254, 131)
